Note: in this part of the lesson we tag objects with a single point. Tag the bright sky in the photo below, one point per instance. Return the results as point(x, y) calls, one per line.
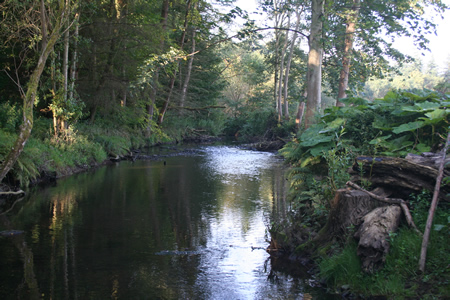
point(439, 43)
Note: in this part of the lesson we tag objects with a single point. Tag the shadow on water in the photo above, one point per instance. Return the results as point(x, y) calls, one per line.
point(186, 227)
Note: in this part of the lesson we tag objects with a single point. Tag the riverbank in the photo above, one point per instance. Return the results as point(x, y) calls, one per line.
point(327, 239)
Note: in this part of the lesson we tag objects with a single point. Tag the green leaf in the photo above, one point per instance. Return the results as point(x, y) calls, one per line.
point(438, 227)
point(436, 116)
point(316, 141)
point(316, 151)
point(408, 127)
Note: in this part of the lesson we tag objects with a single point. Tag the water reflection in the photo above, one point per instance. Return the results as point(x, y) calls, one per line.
point(193, 228)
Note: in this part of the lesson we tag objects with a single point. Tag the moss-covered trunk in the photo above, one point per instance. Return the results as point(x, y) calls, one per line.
point(30, 96)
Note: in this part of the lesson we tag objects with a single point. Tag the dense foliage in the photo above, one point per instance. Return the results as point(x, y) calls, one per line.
point(404, 121)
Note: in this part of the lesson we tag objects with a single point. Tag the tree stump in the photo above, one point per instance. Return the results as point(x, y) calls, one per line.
point(373, 235)
point(348, 209)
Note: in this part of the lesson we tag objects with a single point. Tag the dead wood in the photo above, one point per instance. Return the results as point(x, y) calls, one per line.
point(348, 209)
point(401, 202)
point(401, 175)
point(19, 192)
point(373, 235)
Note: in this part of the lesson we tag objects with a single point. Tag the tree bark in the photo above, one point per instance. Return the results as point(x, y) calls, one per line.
point(151, 106)
point(402, 175)
point(349, 37)
point(61, 118)
point(74, 57)
point(173, 77)
point(315, 56)
point(281, 76)
point(188, 72)
point(288, 63)
point(373, 235)
point(30, 96)
point(298, 120)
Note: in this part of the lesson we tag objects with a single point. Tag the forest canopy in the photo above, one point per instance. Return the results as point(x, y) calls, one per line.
point(127, 73)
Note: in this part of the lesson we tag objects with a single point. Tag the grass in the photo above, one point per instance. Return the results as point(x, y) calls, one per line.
point(399, 278)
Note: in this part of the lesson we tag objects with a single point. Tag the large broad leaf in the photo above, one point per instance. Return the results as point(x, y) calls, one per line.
point(336, 124)
point(317, 140)
point(408, 127)
point(354, 100)
point(422, 107)
point(317, 151)
point(381, 123)
point(380, 139)
point(436, 116)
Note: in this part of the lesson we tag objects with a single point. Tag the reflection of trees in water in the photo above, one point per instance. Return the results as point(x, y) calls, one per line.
point(63, 216)
point(29, 289)
point(95, 247)
point(280, 190)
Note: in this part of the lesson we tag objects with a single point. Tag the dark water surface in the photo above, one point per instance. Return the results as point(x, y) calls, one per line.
point(192, 228)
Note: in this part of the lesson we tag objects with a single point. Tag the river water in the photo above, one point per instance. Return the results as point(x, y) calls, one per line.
point(189, 226)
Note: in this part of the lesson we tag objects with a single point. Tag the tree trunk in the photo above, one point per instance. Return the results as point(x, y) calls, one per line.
point(288, 63)
point(172, 79)
point(74, 57)
point(349, 36)
point(281, 81)
point(315, 56)
point(277, 21)
point(30, 96)
point(298, 120)
point(62, 119)
point(188, 72)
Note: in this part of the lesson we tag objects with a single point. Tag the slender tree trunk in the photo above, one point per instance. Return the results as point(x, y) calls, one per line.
point(188, 72)
point(62, 120)
point(280, 83)
point(173, 78)
point(434, 203)
point(288, 64)
point(74, 57)
point(299, 118)
point(30, 96)
point(277, 21)
point(151, 105)
point(349, 37)
point(314, 73)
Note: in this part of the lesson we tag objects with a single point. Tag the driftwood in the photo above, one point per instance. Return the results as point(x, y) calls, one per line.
point(404, 176)
point(373, 235)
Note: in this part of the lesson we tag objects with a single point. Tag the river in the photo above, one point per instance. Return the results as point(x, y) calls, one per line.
point(188, 226)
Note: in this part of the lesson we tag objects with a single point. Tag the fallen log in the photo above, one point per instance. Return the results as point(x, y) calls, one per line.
point(400, 175)
point(373, 236)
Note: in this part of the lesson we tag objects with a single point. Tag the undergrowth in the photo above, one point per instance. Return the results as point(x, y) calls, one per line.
point(400, 123)
point(399, 278)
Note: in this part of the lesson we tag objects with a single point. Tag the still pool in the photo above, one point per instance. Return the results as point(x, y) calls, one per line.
point(190, 226)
